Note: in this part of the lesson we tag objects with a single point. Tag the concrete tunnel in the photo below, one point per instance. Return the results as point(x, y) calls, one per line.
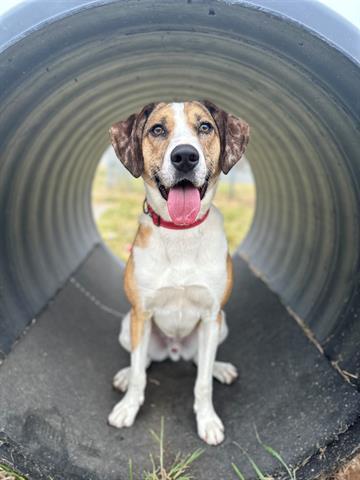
point(68, 70)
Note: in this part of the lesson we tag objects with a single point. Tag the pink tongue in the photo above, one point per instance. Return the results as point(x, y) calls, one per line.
point(183, 204)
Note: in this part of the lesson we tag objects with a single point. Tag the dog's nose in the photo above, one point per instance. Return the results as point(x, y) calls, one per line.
point(184, 158)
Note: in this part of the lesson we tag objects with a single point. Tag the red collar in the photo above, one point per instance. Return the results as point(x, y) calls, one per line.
point(160, 222)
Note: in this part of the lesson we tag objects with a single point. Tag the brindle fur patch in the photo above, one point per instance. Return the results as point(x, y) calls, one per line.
point(126, 137)
point(234, 136)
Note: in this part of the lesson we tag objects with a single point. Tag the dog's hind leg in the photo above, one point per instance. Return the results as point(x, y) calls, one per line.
point(125, 335)
point(121, 379)
point(224, 372)
point(157, 351)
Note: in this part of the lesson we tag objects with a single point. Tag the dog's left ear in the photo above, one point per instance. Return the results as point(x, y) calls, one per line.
point(234, 135)
point(126, 138)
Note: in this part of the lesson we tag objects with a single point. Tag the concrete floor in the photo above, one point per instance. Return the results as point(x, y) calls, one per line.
point(56, 388)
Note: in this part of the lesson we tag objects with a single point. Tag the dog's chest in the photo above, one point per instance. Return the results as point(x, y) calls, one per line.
point(181, 277)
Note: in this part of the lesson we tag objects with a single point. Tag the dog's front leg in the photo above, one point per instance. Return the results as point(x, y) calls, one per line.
point(209, 425)
point(124, 412)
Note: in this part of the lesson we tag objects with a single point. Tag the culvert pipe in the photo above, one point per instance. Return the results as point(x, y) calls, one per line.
point(68, 70)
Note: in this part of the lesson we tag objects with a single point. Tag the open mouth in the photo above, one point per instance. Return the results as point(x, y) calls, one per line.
point(183, 200)
point(184, 184)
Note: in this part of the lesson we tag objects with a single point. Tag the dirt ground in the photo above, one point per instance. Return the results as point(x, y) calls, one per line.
point(350, 471)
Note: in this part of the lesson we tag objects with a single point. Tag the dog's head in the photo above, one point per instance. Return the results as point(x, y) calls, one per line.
point(180, 149)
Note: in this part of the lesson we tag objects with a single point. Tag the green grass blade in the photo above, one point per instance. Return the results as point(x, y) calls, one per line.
point(180, 466)
point(237, 471)
point(152, 463)
point(131, 476)
point(193, 456)
point(256, 469)
point(276, 455)
point(155, 436)
point(9, 470)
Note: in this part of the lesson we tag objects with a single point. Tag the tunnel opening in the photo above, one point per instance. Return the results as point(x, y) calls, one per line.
point(67, 73)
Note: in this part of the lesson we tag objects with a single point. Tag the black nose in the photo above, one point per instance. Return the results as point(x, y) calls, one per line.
point(184, 158)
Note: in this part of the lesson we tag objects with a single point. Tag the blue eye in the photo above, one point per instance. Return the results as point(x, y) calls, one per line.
point(205, 127)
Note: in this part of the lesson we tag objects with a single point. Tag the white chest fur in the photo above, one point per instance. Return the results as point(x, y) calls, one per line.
point(181, 274)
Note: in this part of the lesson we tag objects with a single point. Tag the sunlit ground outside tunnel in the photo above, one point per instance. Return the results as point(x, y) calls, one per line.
point(117, 200)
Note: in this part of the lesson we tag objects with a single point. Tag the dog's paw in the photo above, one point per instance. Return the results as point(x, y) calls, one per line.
point(210, 428)
point(124, 413)
point(121, 379)
point(225, 372)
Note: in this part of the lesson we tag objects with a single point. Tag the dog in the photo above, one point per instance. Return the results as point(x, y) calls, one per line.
point(179, 274)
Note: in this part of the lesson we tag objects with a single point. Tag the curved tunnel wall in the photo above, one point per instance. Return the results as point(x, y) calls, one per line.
point(68, 72)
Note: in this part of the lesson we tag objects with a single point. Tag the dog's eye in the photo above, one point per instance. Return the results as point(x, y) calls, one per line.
point(205, 127)
point(157, 130)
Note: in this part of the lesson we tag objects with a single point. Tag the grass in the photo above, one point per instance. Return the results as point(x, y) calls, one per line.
point(259, 474)
point(117, 208)
point(179, 468)
point(350, 471)
point(7, 473)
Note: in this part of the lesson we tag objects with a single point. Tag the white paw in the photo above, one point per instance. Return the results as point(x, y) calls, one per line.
point(210, 428)
point(124, 412)
point(225, 372)
point(121, 379)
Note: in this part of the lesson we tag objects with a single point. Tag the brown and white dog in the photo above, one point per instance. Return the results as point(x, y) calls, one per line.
point(179, 274)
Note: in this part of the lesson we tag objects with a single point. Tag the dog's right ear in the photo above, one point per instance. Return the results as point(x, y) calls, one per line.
point(126, 138)
point(234, 135)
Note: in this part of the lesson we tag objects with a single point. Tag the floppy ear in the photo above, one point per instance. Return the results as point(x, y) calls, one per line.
point(126, 138)
point(234, 135)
